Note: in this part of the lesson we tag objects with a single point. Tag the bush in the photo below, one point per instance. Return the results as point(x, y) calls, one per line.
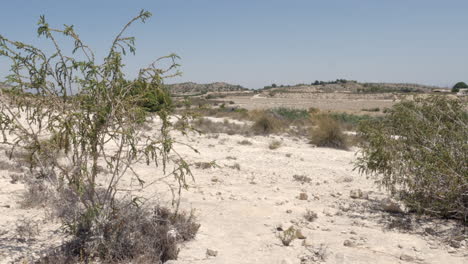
point(460, 85)
point(133, 234)
point(328, 133)
point(290, 113)
point(275, 144)
point(266, 124)
point(419, 152)
point(84, 121)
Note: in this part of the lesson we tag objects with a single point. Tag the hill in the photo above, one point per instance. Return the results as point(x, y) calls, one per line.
point(352, 87)
point(191, 88)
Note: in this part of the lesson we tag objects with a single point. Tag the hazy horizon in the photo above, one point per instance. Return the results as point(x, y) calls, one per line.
point(257, 43)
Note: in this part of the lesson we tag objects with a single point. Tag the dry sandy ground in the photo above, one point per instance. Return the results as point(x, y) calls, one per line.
point(240, 210)
point(341, 102)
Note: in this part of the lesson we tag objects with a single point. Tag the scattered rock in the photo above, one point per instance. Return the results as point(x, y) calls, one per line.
point(288, 211)
point(358, 194)
point(348, 243)
point(303, 196)
point(299, 234)
point(406, 257)
point(214, 179)
point(211, 253)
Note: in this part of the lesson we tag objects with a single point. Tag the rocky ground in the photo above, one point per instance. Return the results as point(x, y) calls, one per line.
point(255, 195)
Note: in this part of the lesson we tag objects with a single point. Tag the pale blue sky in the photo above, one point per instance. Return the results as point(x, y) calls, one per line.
point(259, 42)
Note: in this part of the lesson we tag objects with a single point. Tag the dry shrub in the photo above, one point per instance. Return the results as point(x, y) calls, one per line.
point(244, 142)
point(205, 165)
point(265, 123)
point(134, 235)
point(275, 144)
point(27, 230)
point(310, 215)
point(37, 193)
point(205, 125)
point(236, 166)
point(10, 166)
point(328, 133)
point(287, 236)
point(302, 178)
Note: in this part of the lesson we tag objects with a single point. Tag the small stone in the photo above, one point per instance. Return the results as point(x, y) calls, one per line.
point(303, 196)
point(211, 253)
point(348, 243)
point(286, 261)
point(406, 257)
point(214, 179)
point(299, 234)
point(288, 211)
point(355, 194)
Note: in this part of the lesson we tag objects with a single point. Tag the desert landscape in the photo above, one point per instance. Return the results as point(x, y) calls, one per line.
point(105, 162)
point(246, 193)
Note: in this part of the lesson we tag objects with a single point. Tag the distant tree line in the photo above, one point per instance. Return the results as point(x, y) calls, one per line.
point(337, 81)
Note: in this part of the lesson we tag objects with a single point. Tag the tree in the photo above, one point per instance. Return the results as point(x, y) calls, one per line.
point(273, 85)
point(460, 85)
point(74, 116)
point(418, 151)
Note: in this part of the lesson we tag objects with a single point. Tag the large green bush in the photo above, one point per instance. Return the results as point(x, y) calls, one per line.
point(459, 85)
point(79, 120)
point(419, 152)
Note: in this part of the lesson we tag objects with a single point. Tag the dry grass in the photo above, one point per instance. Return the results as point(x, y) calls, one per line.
point(275, 144)
point(302, 179)
point(310, 215)
point(328, 133)
point(133, 235)
point(205, 125)
point(244, 142)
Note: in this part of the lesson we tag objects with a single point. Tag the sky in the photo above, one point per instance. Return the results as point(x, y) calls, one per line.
point(259, 42)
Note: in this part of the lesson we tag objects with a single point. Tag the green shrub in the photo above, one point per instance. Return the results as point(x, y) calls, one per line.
point(290, 113)
point(460, 85)
point(83, 123)
point(328, 133)
point(419, 152)
point(351, 121)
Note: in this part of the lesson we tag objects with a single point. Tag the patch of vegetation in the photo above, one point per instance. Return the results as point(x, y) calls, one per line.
point(351, 121)
point(245, 142)
point(84, 121)
point(328, 133)
point(418, 151)
point(290, 113)
point(375, 109)
point(275, 144)
point(287, 236)
point(460, 85)
point(302, 178)
point(310, 215)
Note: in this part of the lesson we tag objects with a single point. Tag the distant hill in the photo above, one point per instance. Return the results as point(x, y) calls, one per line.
point(191, 88)
point(352, 87)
